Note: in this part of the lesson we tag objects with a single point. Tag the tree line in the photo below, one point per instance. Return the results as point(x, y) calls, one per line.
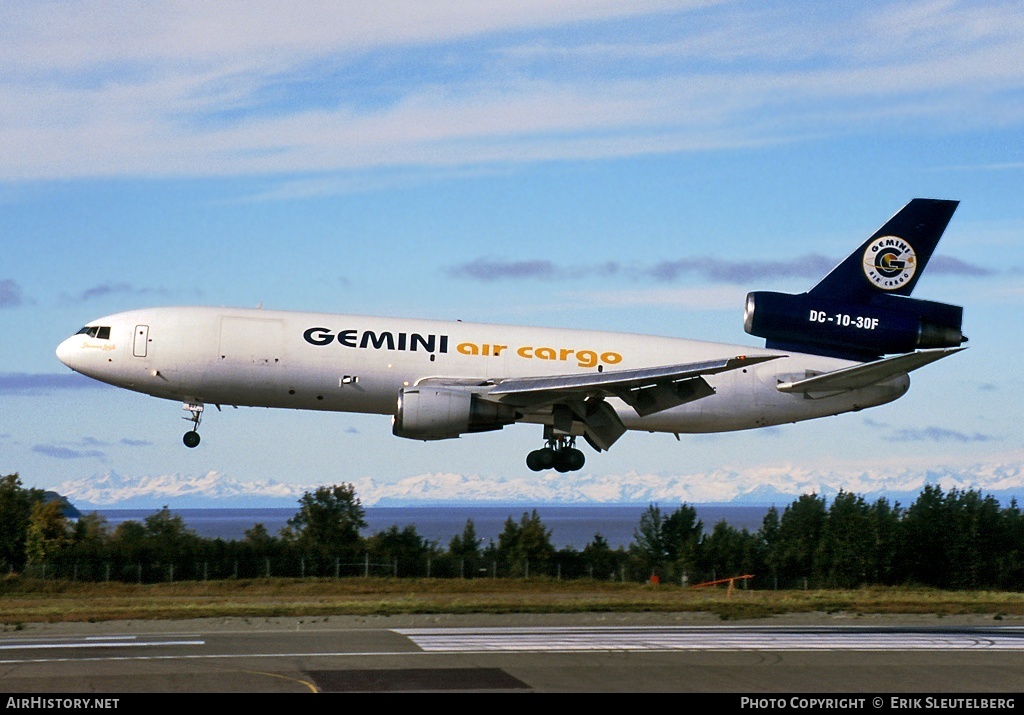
point(960, 539)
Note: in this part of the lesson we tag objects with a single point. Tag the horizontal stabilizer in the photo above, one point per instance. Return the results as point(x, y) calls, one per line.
point(869, 373)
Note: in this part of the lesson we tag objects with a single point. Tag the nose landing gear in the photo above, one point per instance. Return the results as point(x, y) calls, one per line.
point(195, 409)
point(560, 453)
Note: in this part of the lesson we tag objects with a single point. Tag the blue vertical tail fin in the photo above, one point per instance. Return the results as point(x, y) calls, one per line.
point(892, 260)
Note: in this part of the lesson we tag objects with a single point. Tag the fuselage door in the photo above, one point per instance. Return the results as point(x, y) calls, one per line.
point(141, 341)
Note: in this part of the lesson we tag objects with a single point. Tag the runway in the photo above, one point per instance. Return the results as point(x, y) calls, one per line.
point(583, 653)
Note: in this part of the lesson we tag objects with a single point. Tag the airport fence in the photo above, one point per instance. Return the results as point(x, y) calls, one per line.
point(441, 566)
point(366, 565)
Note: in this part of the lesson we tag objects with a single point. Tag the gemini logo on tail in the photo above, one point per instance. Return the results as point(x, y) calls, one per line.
point(889, 262)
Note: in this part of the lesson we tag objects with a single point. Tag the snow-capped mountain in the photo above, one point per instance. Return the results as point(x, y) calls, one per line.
point(775, 485)
point(112, 490)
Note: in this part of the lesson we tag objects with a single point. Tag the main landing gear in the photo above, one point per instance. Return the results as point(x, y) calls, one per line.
point(560, 453)
point(195, 409)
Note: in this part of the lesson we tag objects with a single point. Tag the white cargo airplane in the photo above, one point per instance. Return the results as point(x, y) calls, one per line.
point(825, 355)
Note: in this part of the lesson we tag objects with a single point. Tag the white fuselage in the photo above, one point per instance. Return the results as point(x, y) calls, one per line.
point(347, 363)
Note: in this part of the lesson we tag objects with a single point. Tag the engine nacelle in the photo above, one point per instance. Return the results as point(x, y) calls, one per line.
point(883, 325)
point(429, 413)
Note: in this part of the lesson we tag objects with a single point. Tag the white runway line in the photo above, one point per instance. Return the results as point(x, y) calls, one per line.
point(90, 642)
point(645, 639)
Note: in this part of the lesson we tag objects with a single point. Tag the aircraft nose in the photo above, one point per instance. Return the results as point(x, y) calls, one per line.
point(66, 353)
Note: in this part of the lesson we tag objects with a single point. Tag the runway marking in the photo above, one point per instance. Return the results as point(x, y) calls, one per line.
point(567, 640)
point(90, 642)
point(218, 656)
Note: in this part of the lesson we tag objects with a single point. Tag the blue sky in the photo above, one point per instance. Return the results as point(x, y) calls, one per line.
point(568, 163)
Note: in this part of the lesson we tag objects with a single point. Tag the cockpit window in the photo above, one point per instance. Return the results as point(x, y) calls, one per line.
point(96, 331)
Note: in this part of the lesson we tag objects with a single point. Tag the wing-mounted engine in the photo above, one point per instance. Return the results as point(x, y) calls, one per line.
point(430, 413)
point(881, 325)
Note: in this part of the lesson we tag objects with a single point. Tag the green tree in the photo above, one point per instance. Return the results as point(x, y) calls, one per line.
point(167, 538)
point(649, 540)
point(48, 533)
point(925, 530)
point(728, 551)
point(403, 547)
point(526, 547)
point(683, 535)
point(90, 546)
point(464, 549)
point(977, 539)
point(957, 540)
point(886, 536)
point(466, 544)
point(128, 547)
point(90, 533)
point(328, 521)
point(15, 511)
point(1011, 562)
point(601, 559)
point(259, 539)
point(768, 537)
point(668, 543)
point(845, 547)
point(800, 531)
point(129, 535)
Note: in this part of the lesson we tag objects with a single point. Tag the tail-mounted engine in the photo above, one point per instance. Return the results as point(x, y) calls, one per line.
point(430, 413)
point(882, 325)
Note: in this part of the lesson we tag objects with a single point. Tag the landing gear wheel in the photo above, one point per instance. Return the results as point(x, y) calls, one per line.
point(575, 459)
point(541, 459)
point(560, 454)
point(191, 439)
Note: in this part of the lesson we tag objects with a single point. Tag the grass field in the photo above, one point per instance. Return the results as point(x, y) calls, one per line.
point(32, 601)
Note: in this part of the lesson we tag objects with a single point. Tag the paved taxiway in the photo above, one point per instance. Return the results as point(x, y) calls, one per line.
point(509, 653)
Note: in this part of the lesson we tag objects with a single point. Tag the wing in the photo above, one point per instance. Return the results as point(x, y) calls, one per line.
point(646, 390)
point(580, 397)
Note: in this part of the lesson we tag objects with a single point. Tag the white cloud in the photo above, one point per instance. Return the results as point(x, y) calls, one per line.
point(67, 36)
point(92, 89)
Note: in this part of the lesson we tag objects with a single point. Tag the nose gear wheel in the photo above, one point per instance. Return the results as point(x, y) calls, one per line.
point(191, 438)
